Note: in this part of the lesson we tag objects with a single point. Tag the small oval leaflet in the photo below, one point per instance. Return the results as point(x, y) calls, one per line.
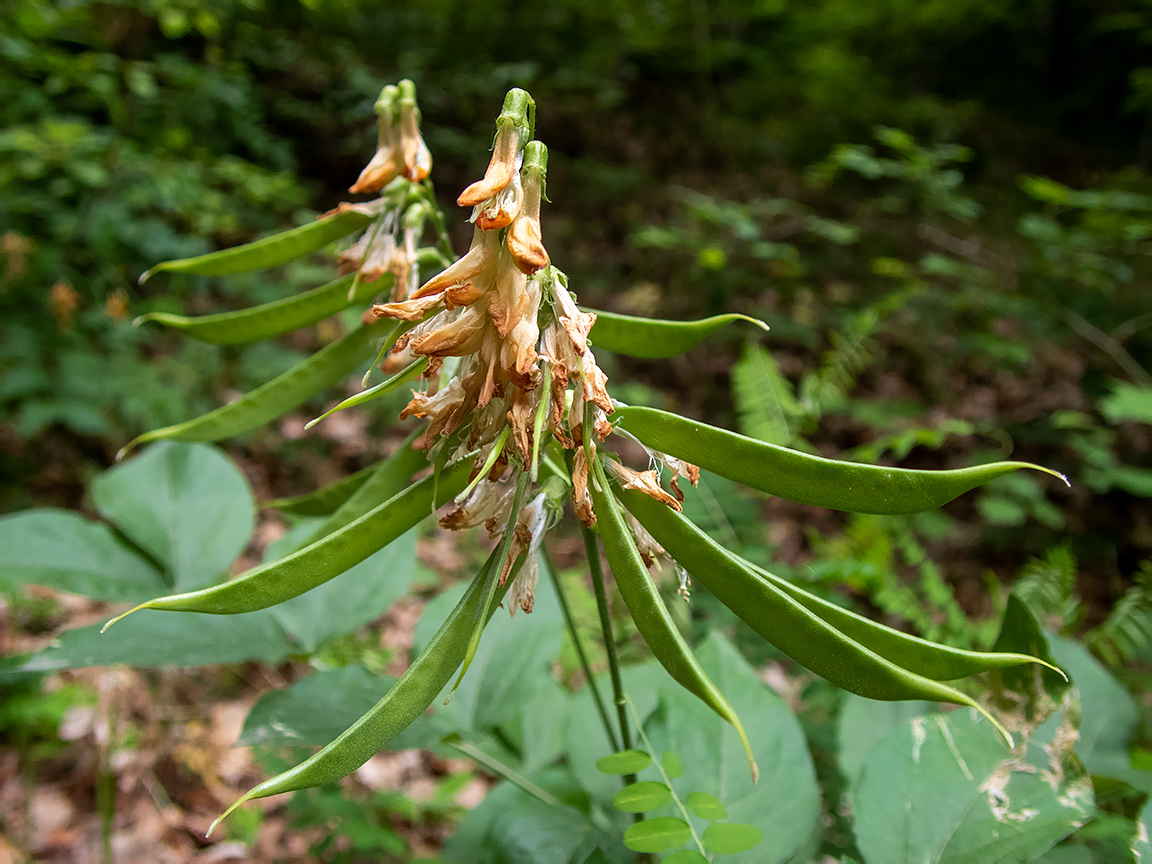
point(673, 766)
point(705, 806)
point(642, 797)
point(624, 762)
point(658, 835)
point(728, 838)
point(686, 856)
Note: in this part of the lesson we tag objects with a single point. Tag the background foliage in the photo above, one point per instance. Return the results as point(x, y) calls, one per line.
point(940, 208)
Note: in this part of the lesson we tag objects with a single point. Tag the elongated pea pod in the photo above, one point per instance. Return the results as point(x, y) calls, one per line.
point(269, 252)
point(800, 477)
point(282, 393)
point(938, 662)
point(402, 705)
point(319, 561)
point(325, 500)
point(778, 618)
point(648, 610)
point(272, 319)
point(382, 389)
point(657, 338)
point(386, 480)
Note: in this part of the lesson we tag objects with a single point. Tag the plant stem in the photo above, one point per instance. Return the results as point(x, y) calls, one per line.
point(667, 780)
point(599, 586)
point(570, 623)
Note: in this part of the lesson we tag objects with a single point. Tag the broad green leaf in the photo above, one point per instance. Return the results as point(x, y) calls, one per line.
point(270, 251)
point(705, 806)
point(272, 319)
point(642, 797)
point(1108, 716)
point(661, 834)
point(187, 505)
point(1020, 632)
point(1142, 841)
point(945, 788)
point(730, 838)
point(800, 477)
point(785, 804)
point(155, 639)
point(315, 709)
point(356, 597)
point(509, 826)
point(864, 723)
point(65, 551)
point(1026, 806)
point(624, 762)
point(656, 337)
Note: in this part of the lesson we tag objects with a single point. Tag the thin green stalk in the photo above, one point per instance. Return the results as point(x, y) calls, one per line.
point(667, 780)
point(493, 455)
point(501, 770)
point(570, 623)
point(599, 586)
point(443, 241)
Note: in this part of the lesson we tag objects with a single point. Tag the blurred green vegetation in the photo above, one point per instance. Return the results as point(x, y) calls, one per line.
point(940, 208)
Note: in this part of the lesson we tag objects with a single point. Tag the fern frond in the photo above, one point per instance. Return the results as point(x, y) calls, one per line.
point(1048, 586)
point(765, 404)
point(1127, 631)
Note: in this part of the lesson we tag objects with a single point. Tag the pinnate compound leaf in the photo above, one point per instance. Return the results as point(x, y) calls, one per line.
point(705, 806)
point(642, 797)
point(657, 338)
point(624, 762)
point(785, 804)
point(661, 834)
point(187, 505)
point(730, 838)
point(65, 551)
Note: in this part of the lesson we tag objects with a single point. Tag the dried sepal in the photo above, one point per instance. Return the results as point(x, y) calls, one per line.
point(642, 481)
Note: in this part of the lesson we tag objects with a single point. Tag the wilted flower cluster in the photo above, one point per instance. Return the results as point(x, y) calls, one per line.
point(509, 362)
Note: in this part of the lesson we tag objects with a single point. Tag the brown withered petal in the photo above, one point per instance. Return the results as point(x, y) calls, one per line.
point(380, 171)
point(368, 208)
point(499, 211)
point(462, 295)
point(525, 245)
point(407, 310)
point(596, 384)
point(520, 419)
point(501, 167)
point(485, 248)
point(417, 159)
point(581, 500)
point(462, 336)
point(643, 481)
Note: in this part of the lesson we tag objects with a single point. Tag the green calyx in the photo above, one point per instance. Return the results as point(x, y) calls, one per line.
point(386, 102)
point(520, 111)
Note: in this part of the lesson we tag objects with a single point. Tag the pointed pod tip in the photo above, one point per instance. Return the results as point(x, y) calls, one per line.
point(124, 615)
point(145, 276)
point(246, 796)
